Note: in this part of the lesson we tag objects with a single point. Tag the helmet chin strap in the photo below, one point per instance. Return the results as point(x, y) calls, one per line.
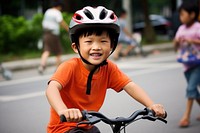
point(89, 80)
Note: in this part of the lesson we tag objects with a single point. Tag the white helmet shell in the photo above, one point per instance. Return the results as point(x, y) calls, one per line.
point(94, 17)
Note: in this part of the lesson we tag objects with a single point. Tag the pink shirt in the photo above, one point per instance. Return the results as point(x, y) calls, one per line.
point(192, 32)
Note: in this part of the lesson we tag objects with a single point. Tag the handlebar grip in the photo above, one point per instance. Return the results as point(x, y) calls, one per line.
point(165, 115)
point(63, 118)
point(152, 113)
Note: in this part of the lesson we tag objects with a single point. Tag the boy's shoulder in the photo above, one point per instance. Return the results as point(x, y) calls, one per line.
point(76, 63)
point(110, 62)
point(71, 63)
point(197, 25)
point(111, 65)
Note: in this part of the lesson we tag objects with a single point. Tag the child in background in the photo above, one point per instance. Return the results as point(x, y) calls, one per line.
point(189, 32)
point(51, 23)
point(81, 83)
point(125, 37)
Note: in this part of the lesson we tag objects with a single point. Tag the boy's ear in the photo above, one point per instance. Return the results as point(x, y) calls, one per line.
point(74, 48)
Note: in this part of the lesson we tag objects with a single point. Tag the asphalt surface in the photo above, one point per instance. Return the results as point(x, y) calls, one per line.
point(24, 108)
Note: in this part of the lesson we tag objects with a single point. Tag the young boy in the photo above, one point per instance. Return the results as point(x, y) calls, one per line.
point(81, 83)
point(125, 37)
point(189, 33)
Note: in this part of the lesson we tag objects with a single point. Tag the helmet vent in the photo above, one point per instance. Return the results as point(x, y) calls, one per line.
point(77, 17)
point(112, 16)
point(103, 14)
point(88, 14)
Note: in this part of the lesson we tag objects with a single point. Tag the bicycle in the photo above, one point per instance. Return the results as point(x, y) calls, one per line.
point(138, 38)
point(138, 49)
point(119, 123)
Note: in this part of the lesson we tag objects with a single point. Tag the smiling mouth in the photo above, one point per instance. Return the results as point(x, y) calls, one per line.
point(96, 55)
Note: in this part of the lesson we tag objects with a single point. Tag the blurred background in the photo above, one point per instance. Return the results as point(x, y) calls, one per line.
point(23, 105)
point(21, 29)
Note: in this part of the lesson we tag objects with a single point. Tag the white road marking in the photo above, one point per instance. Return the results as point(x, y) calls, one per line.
point(148, 71)
point(24, 80)
point(147, 66)
point(10, 98)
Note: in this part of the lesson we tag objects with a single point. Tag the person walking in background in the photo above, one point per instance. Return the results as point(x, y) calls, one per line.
point(125, 37)
point(51, 27)
point(189, 33)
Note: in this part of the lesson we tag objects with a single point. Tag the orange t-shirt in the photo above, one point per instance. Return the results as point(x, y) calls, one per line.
point(72, 75)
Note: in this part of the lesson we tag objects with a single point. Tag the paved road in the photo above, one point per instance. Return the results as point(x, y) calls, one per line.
point(24, 108)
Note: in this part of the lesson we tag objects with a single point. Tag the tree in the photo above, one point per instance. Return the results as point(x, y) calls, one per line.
point(149, 32)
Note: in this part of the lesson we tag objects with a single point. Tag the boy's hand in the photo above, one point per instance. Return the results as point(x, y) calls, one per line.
point(189, 41)
point(73, 115)
point(158, 109)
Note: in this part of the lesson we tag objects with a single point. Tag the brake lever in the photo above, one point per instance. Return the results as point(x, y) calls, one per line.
point(92, 119)
point(152, 118)
point(89, 119)
point(161, 119)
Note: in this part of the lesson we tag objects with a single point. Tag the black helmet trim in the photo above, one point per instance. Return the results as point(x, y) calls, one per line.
point(94, 25)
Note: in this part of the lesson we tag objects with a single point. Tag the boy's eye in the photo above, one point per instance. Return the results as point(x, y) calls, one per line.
point(88, 41)
point(104, 41)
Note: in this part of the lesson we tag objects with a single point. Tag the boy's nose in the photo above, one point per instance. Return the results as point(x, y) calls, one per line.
point(96, 47)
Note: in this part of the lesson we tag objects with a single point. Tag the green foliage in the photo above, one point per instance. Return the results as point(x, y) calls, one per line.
point(65, 40)
point(36, 26)
point(19, 35)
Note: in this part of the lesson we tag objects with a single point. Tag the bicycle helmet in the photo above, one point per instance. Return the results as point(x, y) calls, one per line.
point(97, 17)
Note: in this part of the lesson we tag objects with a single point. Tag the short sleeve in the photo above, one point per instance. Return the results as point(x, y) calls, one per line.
point(123, 24)
point(59, 17)
point(63, 74)
point(117, 79)
point(178, 33)
point(198, 32)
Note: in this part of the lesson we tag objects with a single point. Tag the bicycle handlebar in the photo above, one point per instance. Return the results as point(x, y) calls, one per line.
point(92, 117)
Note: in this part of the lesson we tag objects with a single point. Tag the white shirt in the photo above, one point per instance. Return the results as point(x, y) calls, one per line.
point(122, 23)
point(52, 19)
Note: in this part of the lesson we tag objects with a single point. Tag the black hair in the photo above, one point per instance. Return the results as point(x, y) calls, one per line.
point(94, 31)
point(190, 7)
point(122, 12)
point(56, 3)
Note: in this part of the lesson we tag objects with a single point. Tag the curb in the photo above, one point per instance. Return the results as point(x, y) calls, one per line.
point(34, 63)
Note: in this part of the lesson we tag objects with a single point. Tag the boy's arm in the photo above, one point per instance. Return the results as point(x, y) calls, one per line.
point(141, 96)
point(64, 25)
point(56, 102)
point(138, 94)
point(127, 32)
point(54, 98)
point(193, 41)
point(176, 44)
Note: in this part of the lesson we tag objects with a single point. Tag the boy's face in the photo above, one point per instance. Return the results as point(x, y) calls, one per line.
point(95, 48)
point(186, 17)
point(124, 15)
